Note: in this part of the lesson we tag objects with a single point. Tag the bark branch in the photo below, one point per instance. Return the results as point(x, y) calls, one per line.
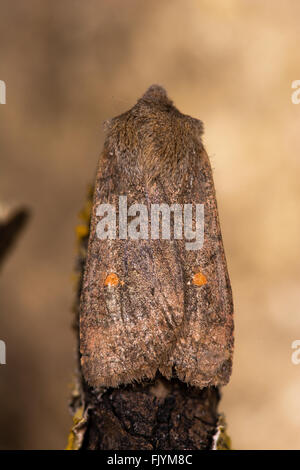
point(163, 415)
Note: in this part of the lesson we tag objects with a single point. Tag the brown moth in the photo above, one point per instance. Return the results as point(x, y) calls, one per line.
point(149, 304)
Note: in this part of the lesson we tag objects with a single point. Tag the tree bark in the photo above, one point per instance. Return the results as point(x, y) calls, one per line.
point(165, 415)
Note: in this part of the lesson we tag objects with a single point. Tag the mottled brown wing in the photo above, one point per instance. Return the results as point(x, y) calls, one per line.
point(149, 305)
point(129, 328)
point(202, 355)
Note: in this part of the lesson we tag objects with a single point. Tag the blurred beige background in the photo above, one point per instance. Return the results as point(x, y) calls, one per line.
point(69, 65)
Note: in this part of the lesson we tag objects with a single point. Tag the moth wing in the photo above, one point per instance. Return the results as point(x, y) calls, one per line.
point(202, 355)
point(128, 327)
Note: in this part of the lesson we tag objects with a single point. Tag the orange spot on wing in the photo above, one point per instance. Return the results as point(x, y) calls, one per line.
point(112, 280)
point(199, 279)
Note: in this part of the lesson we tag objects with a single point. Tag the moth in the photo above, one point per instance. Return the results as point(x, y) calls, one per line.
point(148, 304)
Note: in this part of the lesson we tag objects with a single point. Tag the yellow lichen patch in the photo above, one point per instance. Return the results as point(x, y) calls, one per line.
point(221, 440)
point(73, 438)
point(71, 441)
point(112, 280)
point(199, 279)
point(81, 231)
point(224, 441)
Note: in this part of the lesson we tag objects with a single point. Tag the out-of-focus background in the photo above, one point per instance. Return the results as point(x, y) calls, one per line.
point(69, 65)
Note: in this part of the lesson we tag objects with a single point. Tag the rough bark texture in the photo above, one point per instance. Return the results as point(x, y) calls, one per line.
point(138, 418)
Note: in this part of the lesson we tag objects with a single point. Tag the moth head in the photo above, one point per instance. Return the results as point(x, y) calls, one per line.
point(154, 139)
point(156, 94)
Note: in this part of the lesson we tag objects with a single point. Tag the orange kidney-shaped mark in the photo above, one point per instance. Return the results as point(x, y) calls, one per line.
point(112, 280)
point(199, 279)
